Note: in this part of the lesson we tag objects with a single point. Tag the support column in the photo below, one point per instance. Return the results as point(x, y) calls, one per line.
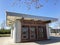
point(48, 31)
point(11, 33)
point(17, 31)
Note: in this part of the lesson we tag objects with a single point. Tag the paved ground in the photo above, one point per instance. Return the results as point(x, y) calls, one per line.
point(55, 40)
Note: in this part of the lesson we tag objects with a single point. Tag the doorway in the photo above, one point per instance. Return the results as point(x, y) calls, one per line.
point(42, 33)
point(32, 33)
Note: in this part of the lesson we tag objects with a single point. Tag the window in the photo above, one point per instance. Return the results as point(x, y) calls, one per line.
point(25, 32)
point(32, 32)
point(41, 32)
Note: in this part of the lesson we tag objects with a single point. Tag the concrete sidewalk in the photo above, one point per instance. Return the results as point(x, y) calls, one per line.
point(55, 40)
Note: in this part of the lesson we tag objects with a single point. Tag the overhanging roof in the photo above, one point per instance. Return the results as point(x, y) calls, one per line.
point(12, 16)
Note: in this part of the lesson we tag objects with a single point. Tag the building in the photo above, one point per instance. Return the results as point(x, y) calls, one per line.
point(55, 30)
point(28, 27)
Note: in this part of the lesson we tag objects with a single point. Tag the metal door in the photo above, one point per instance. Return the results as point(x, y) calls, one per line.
point(41, 33)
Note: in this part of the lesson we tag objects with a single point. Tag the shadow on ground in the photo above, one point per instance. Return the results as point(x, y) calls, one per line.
point(50, 41)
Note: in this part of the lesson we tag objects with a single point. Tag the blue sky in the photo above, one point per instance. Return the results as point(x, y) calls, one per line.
point(48, 9)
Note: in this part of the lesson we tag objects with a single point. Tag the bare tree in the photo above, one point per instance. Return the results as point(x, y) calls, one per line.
point(3, 25)
point(35, 3)
point(59, 27)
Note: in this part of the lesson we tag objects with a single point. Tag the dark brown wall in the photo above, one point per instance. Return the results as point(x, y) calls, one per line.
point(36, 24)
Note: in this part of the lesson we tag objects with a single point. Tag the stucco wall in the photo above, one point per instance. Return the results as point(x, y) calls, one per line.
point(48, 31)
point(17, 31)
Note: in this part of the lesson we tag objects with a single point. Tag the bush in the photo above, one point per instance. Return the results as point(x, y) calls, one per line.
point(5, 31)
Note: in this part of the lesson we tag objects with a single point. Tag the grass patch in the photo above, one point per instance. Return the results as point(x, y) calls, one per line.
point(4, 35)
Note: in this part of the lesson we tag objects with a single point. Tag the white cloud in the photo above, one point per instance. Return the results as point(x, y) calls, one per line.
point(7, 27)
point(0, 27)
